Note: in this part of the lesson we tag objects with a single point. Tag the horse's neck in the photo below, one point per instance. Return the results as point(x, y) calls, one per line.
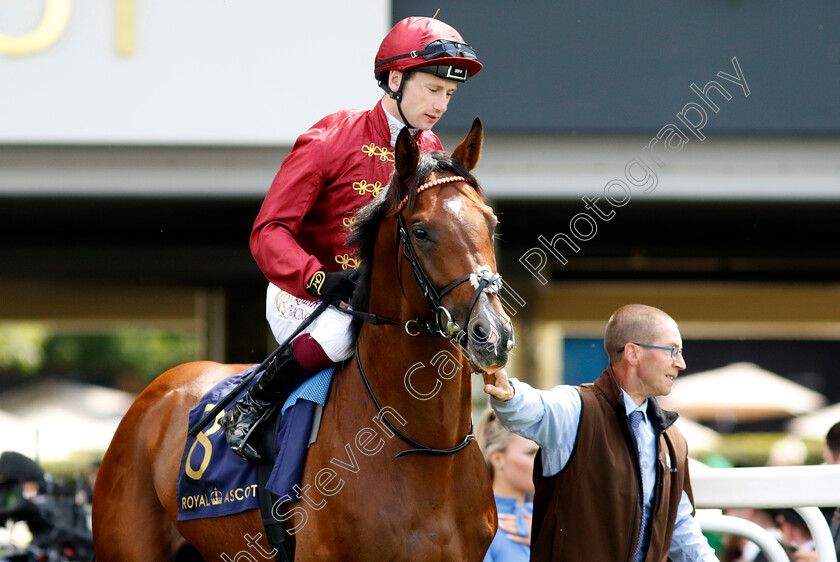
point(425, 379)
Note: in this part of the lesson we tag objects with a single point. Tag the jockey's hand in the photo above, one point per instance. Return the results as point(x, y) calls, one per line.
point(333, 287)
point(496, 384)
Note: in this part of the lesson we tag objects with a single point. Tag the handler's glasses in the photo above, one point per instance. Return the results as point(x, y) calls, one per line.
point(674, 350)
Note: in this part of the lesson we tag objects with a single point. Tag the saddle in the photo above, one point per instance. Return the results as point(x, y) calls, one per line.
point(228, 484)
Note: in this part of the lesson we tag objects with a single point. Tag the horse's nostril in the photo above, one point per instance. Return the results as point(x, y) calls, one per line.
point(479, 332)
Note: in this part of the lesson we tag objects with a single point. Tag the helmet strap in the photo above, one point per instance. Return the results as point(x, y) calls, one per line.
point(398, 95)
point(402, 115)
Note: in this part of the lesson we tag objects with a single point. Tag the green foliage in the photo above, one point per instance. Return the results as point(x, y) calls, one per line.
point(753, 449)
point(142, 353)
point(121, 356)
point(21, 347)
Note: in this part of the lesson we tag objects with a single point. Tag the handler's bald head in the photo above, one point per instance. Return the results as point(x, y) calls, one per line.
point(632, 323)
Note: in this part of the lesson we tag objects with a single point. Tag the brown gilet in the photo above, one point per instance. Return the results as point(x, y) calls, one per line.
point(591, 509)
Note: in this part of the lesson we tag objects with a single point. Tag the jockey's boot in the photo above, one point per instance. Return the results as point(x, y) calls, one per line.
point(268, 389)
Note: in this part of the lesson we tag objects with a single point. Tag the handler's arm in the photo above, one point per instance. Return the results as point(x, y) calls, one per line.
point(548, 417)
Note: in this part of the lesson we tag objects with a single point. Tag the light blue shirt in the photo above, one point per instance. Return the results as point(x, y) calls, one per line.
point(502, 549)
point(550, 418)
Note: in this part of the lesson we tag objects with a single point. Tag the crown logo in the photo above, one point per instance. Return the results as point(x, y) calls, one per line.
point(216, 497)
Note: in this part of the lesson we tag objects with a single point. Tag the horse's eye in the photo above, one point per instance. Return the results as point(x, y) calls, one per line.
point(420, 234)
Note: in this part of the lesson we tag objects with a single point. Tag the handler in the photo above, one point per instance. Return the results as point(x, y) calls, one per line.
point(611, 476)
point(335, 168)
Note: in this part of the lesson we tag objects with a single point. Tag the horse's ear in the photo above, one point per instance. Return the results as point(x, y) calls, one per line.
point(469, 151)
point(406, 155)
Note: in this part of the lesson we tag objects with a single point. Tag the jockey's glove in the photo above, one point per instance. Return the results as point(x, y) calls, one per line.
point(332, 287)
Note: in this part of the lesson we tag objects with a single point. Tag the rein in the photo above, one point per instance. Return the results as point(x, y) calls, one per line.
point(418, 447)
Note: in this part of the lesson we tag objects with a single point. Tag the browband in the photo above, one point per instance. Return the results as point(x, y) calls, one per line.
point(431, 183)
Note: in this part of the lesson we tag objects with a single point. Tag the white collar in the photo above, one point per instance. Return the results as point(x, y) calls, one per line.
point(395, 125)
point(630, 406)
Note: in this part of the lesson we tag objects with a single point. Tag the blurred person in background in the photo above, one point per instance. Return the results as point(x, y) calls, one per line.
point(796, 537)
point(741, 550)
point(831, 455)
point(787, 524)
point(510, 461)
point(21, 479)
point(57, 528)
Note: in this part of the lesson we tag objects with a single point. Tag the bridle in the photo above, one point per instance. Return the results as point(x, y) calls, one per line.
point(484, 280)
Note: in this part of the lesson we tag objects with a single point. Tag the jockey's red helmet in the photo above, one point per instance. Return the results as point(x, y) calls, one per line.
point(427, 45)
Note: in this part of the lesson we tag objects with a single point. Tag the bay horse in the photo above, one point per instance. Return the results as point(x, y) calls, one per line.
point(428, 265)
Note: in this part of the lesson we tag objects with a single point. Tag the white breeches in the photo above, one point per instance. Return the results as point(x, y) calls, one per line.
point(331, 329)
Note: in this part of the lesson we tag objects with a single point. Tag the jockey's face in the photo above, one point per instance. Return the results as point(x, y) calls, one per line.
point(425, 97)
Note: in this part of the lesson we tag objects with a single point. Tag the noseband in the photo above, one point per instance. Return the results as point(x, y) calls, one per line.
point(484, 280)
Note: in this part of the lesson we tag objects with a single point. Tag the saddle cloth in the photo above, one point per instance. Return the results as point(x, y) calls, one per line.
point(214, 481)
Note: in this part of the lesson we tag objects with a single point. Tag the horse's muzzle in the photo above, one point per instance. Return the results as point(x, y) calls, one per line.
point(490, 337)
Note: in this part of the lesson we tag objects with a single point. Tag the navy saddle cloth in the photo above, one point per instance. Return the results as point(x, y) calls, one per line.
point(214, 481)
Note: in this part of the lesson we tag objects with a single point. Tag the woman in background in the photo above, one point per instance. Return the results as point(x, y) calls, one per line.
point(510, 460)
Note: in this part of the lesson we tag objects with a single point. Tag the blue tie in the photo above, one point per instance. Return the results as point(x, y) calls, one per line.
point(635, 419)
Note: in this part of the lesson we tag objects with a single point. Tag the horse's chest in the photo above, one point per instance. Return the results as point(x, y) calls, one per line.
point(388, 536)
point(395, 515)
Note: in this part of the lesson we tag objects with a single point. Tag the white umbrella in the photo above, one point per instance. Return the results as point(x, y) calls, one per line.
point(698, 437)
point(17, 436)
point(740, 392)
point(816, 424)
point(68, 416)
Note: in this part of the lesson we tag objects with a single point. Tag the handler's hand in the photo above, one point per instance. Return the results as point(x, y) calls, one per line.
point(496, 385)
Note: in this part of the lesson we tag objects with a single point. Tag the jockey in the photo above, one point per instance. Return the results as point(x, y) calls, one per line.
point(335, 168)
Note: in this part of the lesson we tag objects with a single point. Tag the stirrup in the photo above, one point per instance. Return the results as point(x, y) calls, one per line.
point(267, 393)
point(244, 449)
point(239, 422)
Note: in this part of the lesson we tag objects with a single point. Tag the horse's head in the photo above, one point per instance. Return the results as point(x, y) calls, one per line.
point(446, 234)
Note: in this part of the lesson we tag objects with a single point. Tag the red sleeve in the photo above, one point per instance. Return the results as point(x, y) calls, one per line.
point(291, 196)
